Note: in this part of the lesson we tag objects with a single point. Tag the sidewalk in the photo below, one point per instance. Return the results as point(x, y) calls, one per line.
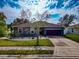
point(3, 38)
point(27, 48)
point(45, 56)
point(65, 47)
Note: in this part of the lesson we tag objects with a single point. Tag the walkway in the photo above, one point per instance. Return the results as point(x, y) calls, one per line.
point(65, 47)
point(34, 57)
point(26, 38)
point(3, 38)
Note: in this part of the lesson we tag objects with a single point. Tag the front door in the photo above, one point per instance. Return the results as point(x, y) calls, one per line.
point(41, 31)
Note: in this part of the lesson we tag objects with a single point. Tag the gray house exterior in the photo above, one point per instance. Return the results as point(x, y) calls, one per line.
point(25, 28)
point(72, 29)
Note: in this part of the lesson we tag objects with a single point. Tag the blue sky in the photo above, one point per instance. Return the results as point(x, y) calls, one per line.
point(55, 8)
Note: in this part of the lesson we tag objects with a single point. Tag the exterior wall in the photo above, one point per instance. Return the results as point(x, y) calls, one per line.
point(71, 30)
point(21, 31)
point(31, 28)
point(76, 31)
point(68, 30)
point(24, 31)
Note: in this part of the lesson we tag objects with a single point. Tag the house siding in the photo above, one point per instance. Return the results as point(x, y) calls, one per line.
point(68, 30)
point(71, 30)
point(26, 28)
point(75, 31)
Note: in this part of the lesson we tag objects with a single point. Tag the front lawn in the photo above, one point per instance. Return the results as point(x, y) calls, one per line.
point(74, 37)
point(25, 52)
point(42, 42)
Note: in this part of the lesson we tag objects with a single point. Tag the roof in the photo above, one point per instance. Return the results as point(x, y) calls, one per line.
point(46, 24)
point(76, 26)
point(34, 24)
point(18, 22)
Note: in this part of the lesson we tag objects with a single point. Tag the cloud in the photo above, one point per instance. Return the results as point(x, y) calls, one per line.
point(10, 13)
point(56, 8)
point(51, 6)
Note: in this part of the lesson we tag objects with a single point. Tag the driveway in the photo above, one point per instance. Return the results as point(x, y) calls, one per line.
point(65, 47)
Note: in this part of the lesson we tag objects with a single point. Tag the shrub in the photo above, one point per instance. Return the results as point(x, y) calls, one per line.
point(17, 34)
point(2, 32)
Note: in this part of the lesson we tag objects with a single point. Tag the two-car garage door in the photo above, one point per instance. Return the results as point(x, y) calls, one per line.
point(54, 32)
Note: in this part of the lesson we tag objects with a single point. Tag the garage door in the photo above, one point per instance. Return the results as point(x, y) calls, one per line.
point(54, 32)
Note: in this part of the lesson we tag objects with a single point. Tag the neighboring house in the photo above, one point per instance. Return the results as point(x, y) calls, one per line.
point(72, 29)
point(68, 30)
point(25, 28)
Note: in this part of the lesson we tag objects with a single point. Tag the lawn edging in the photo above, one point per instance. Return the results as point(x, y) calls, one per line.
point(25, 52)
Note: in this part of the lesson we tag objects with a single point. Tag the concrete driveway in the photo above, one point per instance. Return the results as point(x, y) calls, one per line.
point(65, 47)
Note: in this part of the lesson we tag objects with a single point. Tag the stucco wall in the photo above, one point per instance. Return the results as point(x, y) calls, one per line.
point(68, 30)
point(76, 31)
point(71, 30)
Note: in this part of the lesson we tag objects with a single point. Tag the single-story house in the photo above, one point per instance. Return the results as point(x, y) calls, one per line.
point(26, 28)
point(72, 29)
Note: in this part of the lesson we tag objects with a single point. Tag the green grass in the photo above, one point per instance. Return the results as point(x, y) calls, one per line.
point(74, 37)
point(42, 42)
point(25, 52)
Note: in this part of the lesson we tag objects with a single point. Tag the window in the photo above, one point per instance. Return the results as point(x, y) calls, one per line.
point(72, 30)
point(20, 31)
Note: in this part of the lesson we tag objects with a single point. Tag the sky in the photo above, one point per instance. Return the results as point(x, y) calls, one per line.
point(55, 8)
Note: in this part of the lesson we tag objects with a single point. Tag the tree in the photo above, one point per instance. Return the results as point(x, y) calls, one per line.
point(43, 16)
point(3, 27)
point(67, 20)
point(40, 17)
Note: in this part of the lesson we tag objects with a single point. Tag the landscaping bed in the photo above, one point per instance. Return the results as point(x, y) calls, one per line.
point(25, 52)
point(74, 37)
point(42, 42)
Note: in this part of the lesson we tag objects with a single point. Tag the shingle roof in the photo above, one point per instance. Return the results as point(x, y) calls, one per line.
point(46, 24)
point(37, 23)
point(77, 26)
